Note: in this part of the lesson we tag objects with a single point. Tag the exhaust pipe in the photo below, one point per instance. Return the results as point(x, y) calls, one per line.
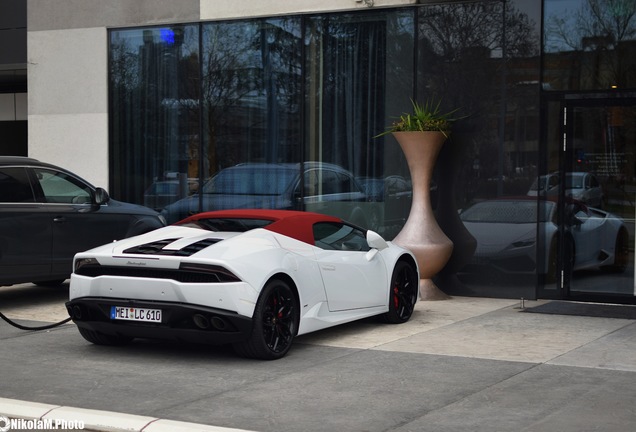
point(218, 323)
point(201, 321)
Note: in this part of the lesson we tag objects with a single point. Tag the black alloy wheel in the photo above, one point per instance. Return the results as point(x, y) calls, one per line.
point(275, 323)
point(403, 294)
point(621, 253)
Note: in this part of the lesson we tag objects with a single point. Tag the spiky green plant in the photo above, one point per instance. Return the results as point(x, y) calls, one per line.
point(426, 117)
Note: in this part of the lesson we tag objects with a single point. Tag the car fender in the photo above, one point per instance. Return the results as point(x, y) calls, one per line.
point(392, 254)
point(271, 254)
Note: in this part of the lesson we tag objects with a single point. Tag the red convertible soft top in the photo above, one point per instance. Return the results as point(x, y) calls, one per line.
point(295, 224)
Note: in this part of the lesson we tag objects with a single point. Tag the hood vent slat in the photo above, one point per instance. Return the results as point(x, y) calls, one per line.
point(157, 248)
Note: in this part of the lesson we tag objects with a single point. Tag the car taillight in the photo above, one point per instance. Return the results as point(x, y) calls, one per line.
point(223, 274)
point(81, 262)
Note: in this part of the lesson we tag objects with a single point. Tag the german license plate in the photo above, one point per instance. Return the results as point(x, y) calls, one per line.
point(135, 314)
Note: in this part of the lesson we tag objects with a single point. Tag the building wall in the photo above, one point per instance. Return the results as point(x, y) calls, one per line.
point(68, 100)
point(67, 65)
point(71, 14)
point(68, 74)
point(224, 9)
point(500, 148)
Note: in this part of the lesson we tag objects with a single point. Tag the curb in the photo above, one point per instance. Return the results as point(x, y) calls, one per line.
point(94, 420)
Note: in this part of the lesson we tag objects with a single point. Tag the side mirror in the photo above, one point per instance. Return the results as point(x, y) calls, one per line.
point(575, 221)
point(376, 242)
point(101, 196)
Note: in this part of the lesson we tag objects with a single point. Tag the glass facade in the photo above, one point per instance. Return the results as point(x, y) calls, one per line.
point(155, 121)
point(588, 83)
point(285, 112)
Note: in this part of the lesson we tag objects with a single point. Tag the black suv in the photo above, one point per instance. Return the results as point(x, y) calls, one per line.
point(47, 214)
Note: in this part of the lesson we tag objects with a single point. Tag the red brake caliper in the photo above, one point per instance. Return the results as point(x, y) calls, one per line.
point(279, 312)
point(396, 300)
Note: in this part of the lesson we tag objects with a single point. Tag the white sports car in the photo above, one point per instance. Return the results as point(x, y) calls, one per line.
point(252, 278)
point(506, 234)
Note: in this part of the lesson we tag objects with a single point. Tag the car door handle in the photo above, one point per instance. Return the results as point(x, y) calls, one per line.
point(59, 219)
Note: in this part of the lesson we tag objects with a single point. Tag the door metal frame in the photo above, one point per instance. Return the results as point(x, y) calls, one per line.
point(568, 102)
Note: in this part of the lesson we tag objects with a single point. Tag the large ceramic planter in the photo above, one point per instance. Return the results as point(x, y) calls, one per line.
point(421, 234)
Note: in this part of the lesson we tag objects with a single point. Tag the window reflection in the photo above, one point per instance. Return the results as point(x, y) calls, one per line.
point(589, 44)
point(284, 112)
point(322, 187)
point(506, 233)
point(154, 113)
point(251, 92)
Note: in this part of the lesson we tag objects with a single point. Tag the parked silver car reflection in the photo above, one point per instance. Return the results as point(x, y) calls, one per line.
point(581, 186)
point(165, 192)
point(326, 188)
point(396, 194)
point(506, 234)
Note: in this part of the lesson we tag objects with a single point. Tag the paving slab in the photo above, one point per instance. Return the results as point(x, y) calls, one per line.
point(545, 398)
point(616, 350)
point(35, 303)
point(509, 334)
point(428, 315)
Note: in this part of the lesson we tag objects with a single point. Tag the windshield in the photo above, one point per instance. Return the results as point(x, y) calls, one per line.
point(261, 180)
point(544, 183)
point(573, 181)
point(538, 184)
point(507, 212)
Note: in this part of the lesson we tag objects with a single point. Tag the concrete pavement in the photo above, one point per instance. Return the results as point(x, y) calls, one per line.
point(473, 364)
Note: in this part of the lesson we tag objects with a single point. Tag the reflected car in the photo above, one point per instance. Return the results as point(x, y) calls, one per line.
point(506, 232)
point(251, 278)
point(163, 193)
point(395, 192)
point(326, 188)
point(48, 214)
point(581, 186)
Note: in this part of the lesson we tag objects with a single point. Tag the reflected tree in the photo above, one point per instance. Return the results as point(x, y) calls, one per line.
point(466, 52)
point(598, 38)
point(346, 80)
point(251, 75)
point(153, 88)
